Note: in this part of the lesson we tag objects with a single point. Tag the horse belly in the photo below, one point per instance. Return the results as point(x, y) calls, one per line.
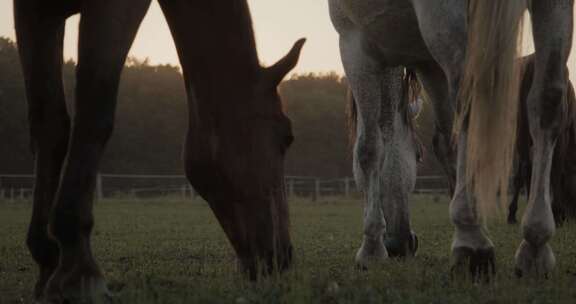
point(390, 29)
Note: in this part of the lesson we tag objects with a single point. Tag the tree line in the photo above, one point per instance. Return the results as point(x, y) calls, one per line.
point(151, 121)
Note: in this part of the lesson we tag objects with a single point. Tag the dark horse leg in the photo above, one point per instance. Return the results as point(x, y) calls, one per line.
point(107, 29)
point(552, 26)
point(472, 249)
point(519, 178)
point(40, 38)
point(436, 85)
point(523, 170)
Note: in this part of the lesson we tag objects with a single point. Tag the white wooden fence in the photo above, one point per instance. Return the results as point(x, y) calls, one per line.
point(20, 186)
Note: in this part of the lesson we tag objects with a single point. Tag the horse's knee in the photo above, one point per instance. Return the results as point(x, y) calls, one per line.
point(94, 131)
point(547, 102)
point(49, 131)
point(551, 106)
point(365, 154)
point(96, 95)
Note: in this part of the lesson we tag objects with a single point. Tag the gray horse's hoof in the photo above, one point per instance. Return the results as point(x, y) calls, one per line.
point(401, 249)
point(371, 253)
point(534, 261)
point(479, 263)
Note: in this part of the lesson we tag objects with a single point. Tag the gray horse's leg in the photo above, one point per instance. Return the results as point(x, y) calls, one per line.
point(437, 88)
point(443, 28)
point(472, 250)
point(552, 24)
point(384, 152)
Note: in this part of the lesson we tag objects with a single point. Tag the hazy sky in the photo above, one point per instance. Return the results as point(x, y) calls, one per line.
point(278, 23)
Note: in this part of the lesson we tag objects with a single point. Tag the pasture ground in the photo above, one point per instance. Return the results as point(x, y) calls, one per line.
point(169, 251)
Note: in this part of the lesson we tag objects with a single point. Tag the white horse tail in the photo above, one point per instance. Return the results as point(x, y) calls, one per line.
point(488, 109)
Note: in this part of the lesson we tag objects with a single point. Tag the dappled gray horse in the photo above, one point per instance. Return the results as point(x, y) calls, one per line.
point(235, 146)
point(462, 53)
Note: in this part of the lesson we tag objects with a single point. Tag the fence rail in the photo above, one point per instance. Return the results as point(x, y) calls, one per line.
point(20, 186)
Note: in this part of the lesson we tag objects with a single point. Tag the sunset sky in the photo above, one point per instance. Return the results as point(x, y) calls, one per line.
point(278, 23)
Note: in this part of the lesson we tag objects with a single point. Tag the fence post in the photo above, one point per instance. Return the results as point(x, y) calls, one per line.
point(316, 194)
point(99, 190)
point(347, 187)
point(183, 191)
point(290, 188)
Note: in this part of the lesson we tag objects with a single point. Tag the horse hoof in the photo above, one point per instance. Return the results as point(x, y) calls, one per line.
point(86, 290)
point(534, 261)
point(401, 249)
point(370, 254)
point(479, 263)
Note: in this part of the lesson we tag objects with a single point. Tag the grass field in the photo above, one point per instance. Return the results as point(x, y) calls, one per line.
point(174, 252)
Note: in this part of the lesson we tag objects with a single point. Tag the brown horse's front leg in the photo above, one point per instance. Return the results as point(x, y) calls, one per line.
point(107, 29)
point(40, 37)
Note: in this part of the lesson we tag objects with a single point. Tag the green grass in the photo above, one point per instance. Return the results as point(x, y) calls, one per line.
point(175, 252)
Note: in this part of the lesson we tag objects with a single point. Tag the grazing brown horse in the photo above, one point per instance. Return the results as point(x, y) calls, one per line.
point(563, 172)
point(235, 146)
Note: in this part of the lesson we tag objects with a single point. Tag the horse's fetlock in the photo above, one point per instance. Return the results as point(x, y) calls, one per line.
point(68, 227)
point(42, 248)
point(374, 229)
point(463, 217)
point(538, 234)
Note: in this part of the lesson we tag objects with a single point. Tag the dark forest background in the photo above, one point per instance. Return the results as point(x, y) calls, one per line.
point(151, 121)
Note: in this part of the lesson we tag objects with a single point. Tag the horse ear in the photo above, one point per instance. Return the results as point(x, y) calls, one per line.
point(278, 71)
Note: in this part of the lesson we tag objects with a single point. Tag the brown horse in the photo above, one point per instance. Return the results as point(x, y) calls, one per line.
point(563, 173)
point(237, 137)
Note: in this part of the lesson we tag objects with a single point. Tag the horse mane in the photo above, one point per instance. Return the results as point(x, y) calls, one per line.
point(242, 12)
